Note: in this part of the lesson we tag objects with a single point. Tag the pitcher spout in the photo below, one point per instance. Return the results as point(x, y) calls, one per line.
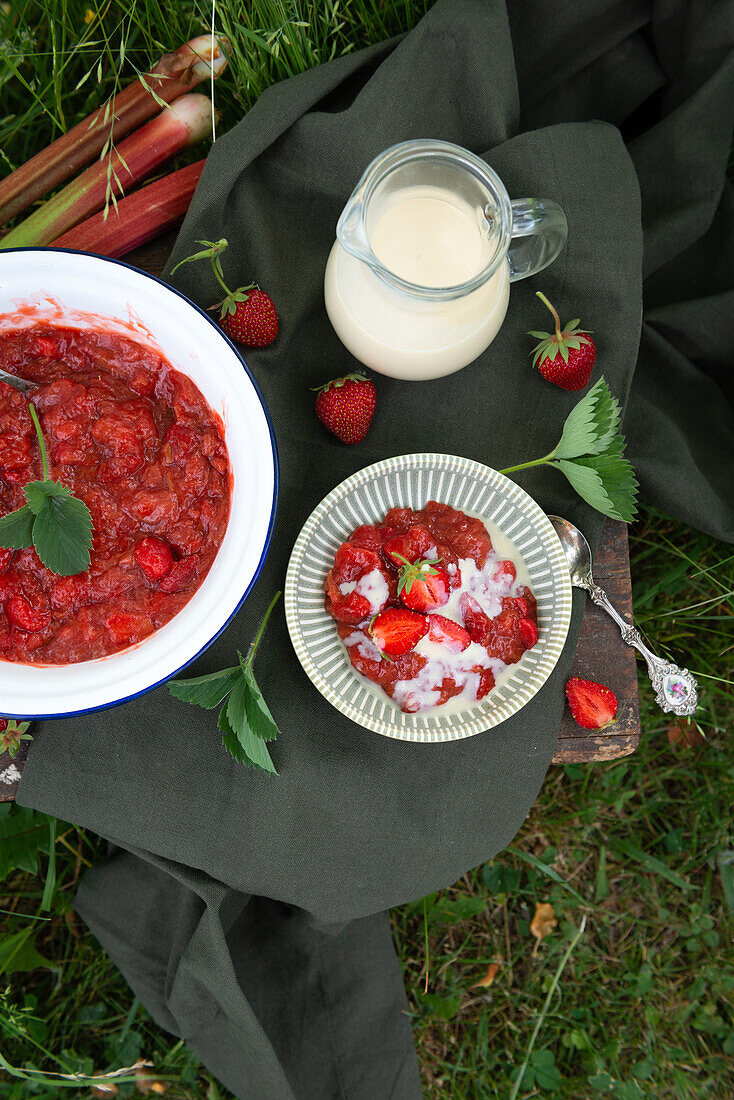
point(350, 230)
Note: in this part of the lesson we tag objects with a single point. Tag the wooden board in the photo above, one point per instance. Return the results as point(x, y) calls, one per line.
point(601, 654)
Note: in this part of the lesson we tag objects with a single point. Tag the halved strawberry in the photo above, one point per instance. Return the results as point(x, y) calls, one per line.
point(447, 633)
point(593, 705)
point(421, 586)
point(396, 631)
point(476, 622)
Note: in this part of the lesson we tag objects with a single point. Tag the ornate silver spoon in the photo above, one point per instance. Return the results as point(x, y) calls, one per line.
point(17, 383)
point(675, 688)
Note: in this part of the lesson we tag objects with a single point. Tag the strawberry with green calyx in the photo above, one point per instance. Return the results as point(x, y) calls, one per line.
point(346, 406)
point(421, 586)
point(594, 706)
point(564, 357)
point(12, 733)
point(246, 314)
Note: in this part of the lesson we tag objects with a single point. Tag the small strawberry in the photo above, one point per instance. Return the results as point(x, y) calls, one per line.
point(22, 614)
point(346, 406)
point(593, 705)
point(565, 357)
point(154, 557)
point(421, 586)
point(246, 314)
point(478, 625)
point(447, 633)
point(528, 631)
point(397, 630)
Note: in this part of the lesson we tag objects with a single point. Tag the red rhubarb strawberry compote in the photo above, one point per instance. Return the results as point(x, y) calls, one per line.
point(137, 442)
point(428, 609)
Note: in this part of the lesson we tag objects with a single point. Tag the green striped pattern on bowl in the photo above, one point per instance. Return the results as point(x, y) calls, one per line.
point(410, 481)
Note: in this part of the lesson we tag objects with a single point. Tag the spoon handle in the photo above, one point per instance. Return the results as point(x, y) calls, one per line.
point(676, 690)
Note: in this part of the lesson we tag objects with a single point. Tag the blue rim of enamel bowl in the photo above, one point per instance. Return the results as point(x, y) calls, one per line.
point(273, 507)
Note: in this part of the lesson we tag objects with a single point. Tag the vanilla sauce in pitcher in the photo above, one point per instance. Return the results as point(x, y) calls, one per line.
point(418, 280)
point(429, 237)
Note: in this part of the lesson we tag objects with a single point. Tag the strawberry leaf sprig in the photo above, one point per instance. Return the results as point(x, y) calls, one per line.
point(590, 453)
point(245, 720)
point(53, 520)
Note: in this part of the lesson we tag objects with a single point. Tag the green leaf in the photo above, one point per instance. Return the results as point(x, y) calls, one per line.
point(243, 745)
point(453, 910)
point(501, 880)
point(23, 835)
point(547, 1074)
point(606, 482)
point(18, 954)
point(260, 719)
point(62, 529)
point(591, 424)
point(16, 529)
point(445, 1007)
point(601, 1081)
point(205, 691)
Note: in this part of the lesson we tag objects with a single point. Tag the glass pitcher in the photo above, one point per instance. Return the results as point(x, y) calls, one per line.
point(418, 280)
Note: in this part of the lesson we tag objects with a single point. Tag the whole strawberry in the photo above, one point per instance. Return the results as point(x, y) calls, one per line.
point(565, 357)
point(346, 406)
point(246, 314)
point(593, 705)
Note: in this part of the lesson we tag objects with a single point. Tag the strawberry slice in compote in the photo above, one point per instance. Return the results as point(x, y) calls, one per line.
point(358, 585)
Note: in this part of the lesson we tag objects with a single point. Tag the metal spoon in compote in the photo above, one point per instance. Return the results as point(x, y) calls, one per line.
point(17, 383)
point(675, 688)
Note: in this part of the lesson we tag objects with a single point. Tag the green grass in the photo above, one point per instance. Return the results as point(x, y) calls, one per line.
point(60, 58)
point(642, 847)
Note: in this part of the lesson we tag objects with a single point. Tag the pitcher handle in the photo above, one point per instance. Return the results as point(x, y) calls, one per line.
point(539, 231)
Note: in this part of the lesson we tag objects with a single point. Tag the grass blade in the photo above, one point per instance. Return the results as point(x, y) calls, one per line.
point(628, 850)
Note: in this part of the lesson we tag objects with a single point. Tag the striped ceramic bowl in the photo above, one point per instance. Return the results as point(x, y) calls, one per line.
point(410, 481)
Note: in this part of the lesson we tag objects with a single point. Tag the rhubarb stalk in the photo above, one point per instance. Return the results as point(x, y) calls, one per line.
point(139, 217)
point(184, 123)
point(175, 74)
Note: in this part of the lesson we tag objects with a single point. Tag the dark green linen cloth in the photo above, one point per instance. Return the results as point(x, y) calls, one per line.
point(217, 900)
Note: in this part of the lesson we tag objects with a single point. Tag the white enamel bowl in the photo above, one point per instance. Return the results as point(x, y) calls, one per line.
point(85, 291)
point(410, 481)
